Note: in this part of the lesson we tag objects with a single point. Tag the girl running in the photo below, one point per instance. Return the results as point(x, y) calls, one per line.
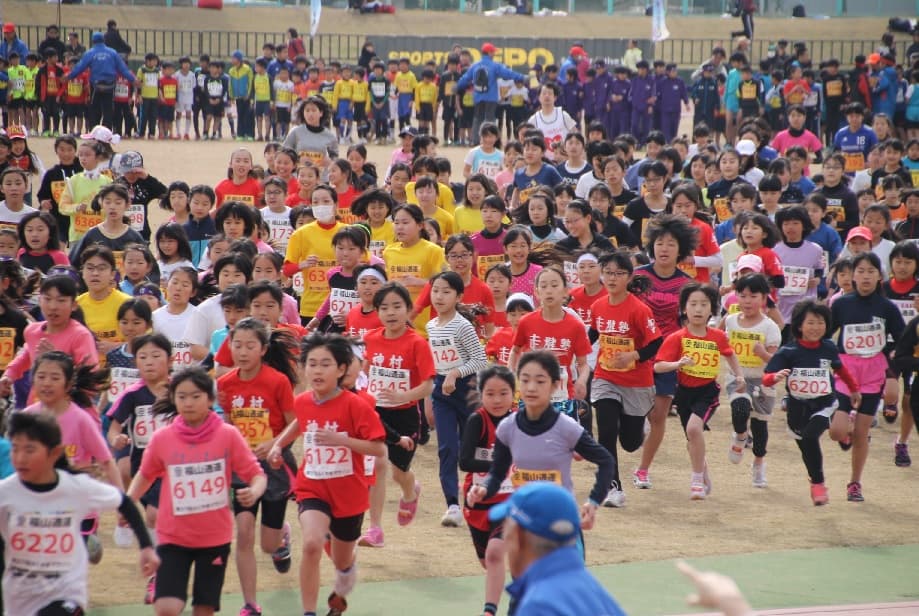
point(176, 201)
point(194, 456)
point(801, 260)
point(758, 235)
point(811, 400)
point(173, 319)
point(458, 356)
point(401, 370)
point(267, 267)
point(686, 201)
point(40, 247)
point(498, 278)
point(539, 217)
point(113, 231)
point(80, 188)
point(866, 322)
point(468, 216)
point(173, 249)
point(622, 390)
point(240, 183)
point(496, 389)
point(339, 429)
point(363, 318)
point(489, 249)
point(54, 182)
point(517, 246)
point(275, 214)
point(307, 180)
point(43, 504)
point(350, 244)
point(375, 206)
point(139, 267)
point(257, 397)
point(695, 352)
point(903, 290)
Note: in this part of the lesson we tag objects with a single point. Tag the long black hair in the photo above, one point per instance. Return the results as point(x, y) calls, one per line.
point(85, 381)
point(281, 346)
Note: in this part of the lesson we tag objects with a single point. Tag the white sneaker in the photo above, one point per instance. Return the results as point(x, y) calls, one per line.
point(615, 498)
point(759, 475)
point(453, 518)
point(735, 451)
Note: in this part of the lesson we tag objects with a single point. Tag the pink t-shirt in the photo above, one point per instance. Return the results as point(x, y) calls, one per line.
point(75, 340)
point(525, 282)
point(808, 140)
point(398, 156)
point(195, 497)
point(81, 432)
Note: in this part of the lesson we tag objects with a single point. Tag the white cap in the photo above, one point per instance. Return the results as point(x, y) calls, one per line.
point(520, 297)
point(745, 147)
point(101, 133)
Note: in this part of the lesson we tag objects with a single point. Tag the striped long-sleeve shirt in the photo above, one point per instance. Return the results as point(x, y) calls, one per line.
point(456, 345)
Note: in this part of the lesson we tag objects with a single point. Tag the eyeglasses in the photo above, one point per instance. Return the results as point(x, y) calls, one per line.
point(616, 274)
point(274, 192)
point(459, 255)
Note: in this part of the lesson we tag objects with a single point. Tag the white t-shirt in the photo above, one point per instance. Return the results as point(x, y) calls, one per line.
point(166, 269)
point(489, 165)
point(35, 577)
point(10, 218)
point(174, 326)
point(741, 339)
point(204, 321)
point(279, 227)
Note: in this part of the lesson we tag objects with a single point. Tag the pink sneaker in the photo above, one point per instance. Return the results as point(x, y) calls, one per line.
point(407, 511)
point(150, 593)
point(641, 479)
point(373, 538)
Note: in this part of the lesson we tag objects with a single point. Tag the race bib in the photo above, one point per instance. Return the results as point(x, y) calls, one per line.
point(487, 261)
point(145, 424)
point(317, 277)
point(864, 339)
point(507, 486)
point(809, 383)
point(571, 274)
point(688, 268)
point(325, 461)
point(311, 156)
point(743, 342)
point(41, 543)
point(136, 216)
point(521, 476)
point(855, 161)
point(84, 222)
point(198, 487)
point(7, 346)
point(57, 189)
point(296, 283)
point(610, 347)
point(446, 355)
point(706, 357)
point(181, 354)
point(561, 394)
point(346, 216)
point(121, 379)
point(247, 199)
point(253, 424)
point(907, 308)
point(341, 301)
point(796, 280)
point(387, 379)
point(834, 88)
point(722, 209)
point(377, 247)
point(122, 89)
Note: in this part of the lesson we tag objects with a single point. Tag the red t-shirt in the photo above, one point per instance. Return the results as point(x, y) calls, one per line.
point(344, 205)
point(500, 319)
point(476, 292)
point(370, 462)
point(170, 87)
point(334, 474)
point(249, 192)
point(708, 246)
point(256, 407)
point(358, 323)
point(498, 348)
point(624, 327)
point(581, 302)
point(772, 265)
point(295, 199)
point(397, 364)
point(565, 339)
point(224, 355)
point(706, 352)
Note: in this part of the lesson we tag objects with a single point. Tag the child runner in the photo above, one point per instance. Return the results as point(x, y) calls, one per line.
point(54, 182)
point(276, 214)
point(498, 347)
point(401, 371)
point(496, 385)
point(240, 184)
point(200, 227)
point(267, 267)
point(257, 397)
point(195, 457)
point(866, 322)
point(806, 365)
point(488, 242)
point(44, 502)
point(363, 318)
point(40, 246)
point(757, 236)
point(350, 245)
point(801, 259)
point(686, 201)
point(375, 206)
point(755, 339)
point(139, 267)
point(113, 231)
point(81, 188)
point(622, 389)
point(458, 356)
point(307, 179)
point(331, 490)
point(173, 249)
point(695, 352)
point(172, 319)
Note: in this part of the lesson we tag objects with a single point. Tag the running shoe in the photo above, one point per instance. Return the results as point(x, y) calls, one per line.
point(281, 556)
point(407, 511)
point(94, 548)
point(615, 498)
point(250, 610)
point(706, 480)
point(819, 494)
point(736, 449)
point(697, 491)
point(901, 455)
point(150, 592)
point(854, 492)
point(846, 443)
point(641, 478)
point(373, 538)
point(453, 518)
point(337, 605)
point(890, 413)
point(759, 475)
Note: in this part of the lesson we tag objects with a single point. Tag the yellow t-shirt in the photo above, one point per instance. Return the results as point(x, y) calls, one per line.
point(422, 260)
point(468, 220)
point(445, 220)
point(444, 196)
point(313, 239)
point(101, 317)
point(382, 237)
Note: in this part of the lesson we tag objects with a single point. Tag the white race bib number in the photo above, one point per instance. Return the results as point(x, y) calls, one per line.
point(863, 339)
point(809, 383)
point(145, 424)
point(907, 308)
point(341, 301)
point(446, 355)
point(387, 379)
point(796, 280)
point(181, 354)
point(42, 543)
point(198, 487)
point(297, 283)
point(571, 274)
point(136, 216)
point(561, 394)
point(325, 461)
point(122, 378)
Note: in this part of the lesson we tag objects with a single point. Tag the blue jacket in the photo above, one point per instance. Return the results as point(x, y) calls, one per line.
point(884, 94)
point(6, 464)
point(495, 71)
point(104, 65)
point(558, 584)
point(18, 45)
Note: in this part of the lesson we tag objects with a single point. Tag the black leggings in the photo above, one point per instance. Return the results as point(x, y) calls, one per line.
point(612, 425)
point(740, 417)
point(808, 426)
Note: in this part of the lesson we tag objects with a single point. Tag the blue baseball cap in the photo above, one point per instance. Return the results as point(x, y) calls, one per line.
point(238, 54)
point(97, 37)
point(542, 508)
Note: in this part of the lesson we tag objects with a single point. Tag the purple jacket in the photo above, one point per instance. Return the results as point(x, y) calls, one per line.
point(590, 99)
point(672, 91)
point(623, 88)
point(604, 82)
point(643, 88)
point(572, 99)
point(658, 83)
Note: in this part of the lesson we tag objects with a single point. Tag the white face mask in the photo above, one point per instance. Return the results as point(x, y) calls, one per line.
point(324, 213)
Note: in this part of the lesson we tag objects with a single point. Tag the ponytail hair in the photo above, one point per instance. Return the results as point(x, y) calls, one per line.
point(86, 381)
point(281, 346)
point(199, 378)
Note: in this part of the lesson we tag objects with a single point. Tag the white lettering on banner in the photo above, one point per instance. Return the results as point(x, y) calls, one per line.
point(809, 383)
point(864, 339)
point(42, 543)
point(198, 487)
point(325, 461)
point(387, 379)
point(796, 280)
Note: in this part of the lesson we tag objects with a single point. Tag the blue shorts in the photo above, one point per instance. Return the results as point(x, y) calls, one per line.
point(665, 384)
point(262, 108)
point(406, 102)
point(345, 111)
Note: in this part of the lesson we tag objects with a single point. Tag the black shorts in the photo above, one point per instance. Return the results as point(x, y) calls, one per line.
point(274, 500)
point(282, 115)
point(343, 529)
point(16, 103)
point(480, 538)
point(869, 405)
point(700, 401)
point(213, 110)
point(151, 497)
point(449, 110)
point(426, 112)
point(262, 108)
point(32, 104)
point(467, 117)
point(61, 608)
point(407, 422)
point(73, 110)
point(166, 113)
point(175, 569)
point(360, 112)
